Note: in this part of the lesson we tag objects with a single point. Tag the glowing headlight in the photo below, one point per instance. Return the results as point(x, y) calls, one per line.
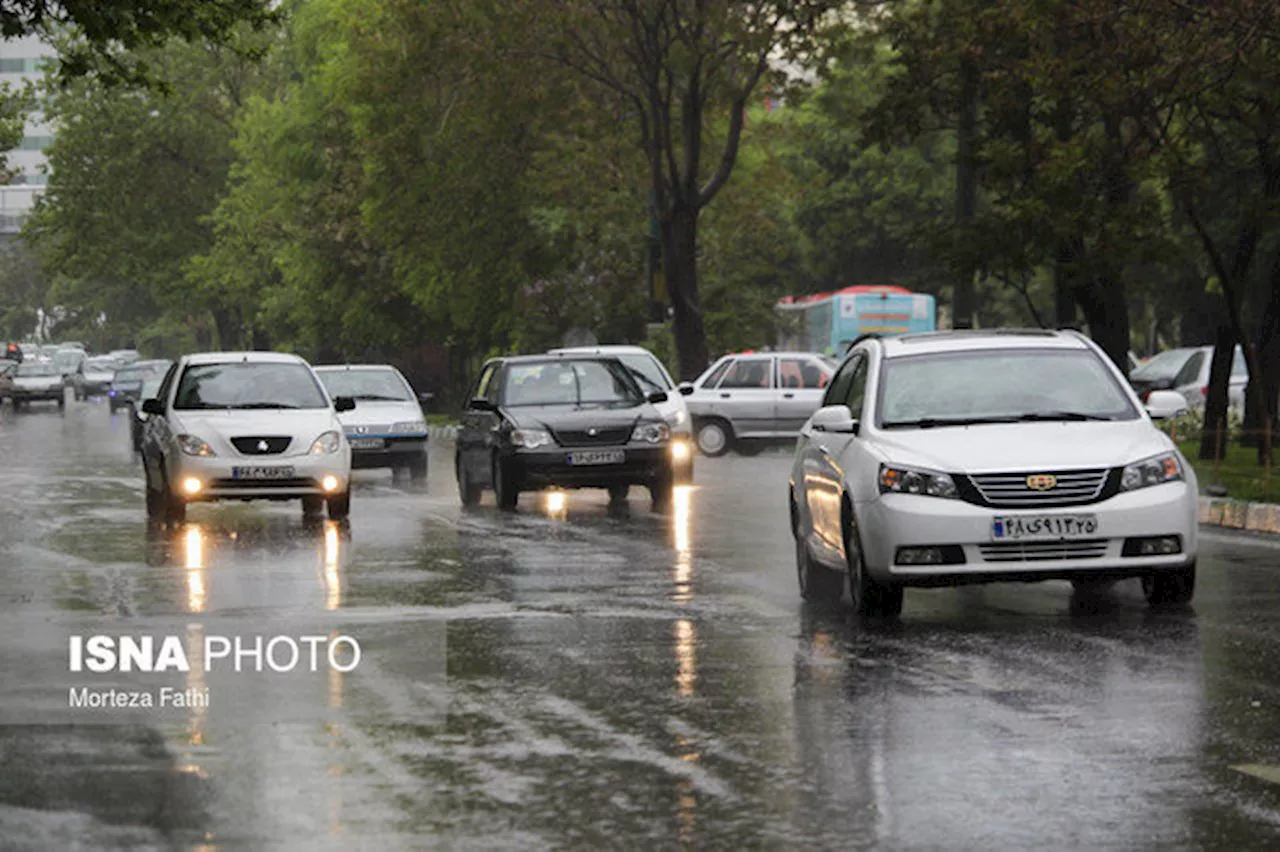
point(329, 442)
point(678, 417)
point(1152, 471)
point(531, 439)
point(651, 433)
point(908, 481)
point(193, 446)
point(410, 426)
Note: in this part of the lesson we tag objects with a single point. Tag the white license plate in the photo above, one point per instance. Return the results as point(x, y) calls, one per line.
point(367, 443)
point(275, 472)
point(1042, 527)
point(598, 457)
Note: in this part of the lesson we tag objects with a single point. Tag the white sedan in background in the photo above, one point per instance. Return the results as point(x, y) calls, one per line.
point(963, 457)
point(387, 429)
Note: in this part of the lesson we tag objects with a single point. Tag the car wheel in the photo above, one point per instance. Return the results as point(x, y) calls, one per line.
point(817, 583)
point(62, 403)
point(418, 469)
point(17, 405)
point(715, 438)
point(175, 508)
point(505, 488)
point(340, 506)
point(1171, 586)
point(869, 597)
point(1090, 585)
point(467, 490)
point(155, 498)
point(312, 506)
point(749, 448)
point(660, 491)
point(618, 493)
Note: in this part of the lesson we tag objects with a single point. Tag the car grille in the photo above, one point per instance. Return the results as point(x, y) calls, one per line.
point(375, 429)
point(1010, 490)
point(1041, 551)
point(262, 484)
point(261, 445)
point(580, 438)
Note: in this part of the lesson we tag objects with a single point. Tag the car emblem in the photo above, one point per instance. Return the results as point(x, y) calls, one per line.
point(1041, 481)
point(263, 446)
point(593, 431)
point(360, 430)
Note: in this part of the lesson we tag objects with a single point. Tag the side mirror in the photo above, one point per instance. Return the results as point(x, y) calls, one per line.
point(480, 403)
point(657, 396)
point(152, 407)
point(343, 403)
point(834, 418)
point(686, 388)
point(1164, 404)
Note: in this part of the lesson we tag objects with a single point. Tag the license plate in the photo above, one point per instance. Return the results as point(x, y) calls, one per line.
point(262, 472)
point(598, 457)
point(1042, 527)
point(367, 443)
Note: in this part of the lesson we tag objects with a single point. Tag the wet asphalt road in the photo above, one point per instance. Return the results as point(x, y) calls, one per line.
point(616, 678)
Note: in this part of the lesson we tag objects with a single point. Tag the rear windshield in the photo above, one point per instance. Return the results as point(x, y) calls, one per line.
point(1163, 366)
point(244, 384)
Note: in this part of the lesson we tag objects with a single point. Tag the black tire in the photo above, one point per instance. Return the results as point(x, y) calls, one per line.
point(618, 493)
point(714, 437)
point(155, 498)
point(62, 403)
point(175, 508)
point(1090, 585)
point(1170, 587)
point(340, 506)
point(749, 448)
point(467, 490)
point(818, 584)
point(312, 506)
point(660, 491)
point(869, 597)
point(418, 469)
point(505, 488)
point(17, 405)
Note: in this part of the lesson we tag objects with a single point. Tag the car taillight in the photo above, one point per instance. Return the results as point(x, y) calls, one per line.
point(1204, 391)
point(1146, 394)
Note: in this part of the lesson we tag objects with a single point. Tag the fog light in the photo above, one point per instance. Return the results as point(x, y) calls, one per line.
point(329, 483)
point(680, 451)
point(191, 485)
point(1160, 545)
point(942, 554)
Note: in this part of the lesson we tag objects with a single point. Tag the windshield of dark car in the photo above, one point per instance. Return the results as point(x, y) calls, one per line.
point(1163, 366)
point(248, 385)
point(998, 385)
point(570, 383)
point(365, 384)
point(35, 368)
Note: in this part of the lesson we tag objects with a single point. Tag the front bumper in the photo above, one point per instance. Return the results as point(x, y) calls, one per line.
point(550, 468)
point(908, 520)
point(397, 451)
point(51, 394)
point(219, 482)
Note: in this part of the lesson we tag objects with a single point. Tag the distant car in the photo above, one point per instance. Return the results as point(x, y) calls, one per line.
point(652, 376)
point(128, 383)
point(244, 426)
point(125, 356)
point(7, 371)
point(34, 381)
point(561, 421)
point(69, 362)
point(138, 417)
point(746, 400)
point(1186, 370)
point(95, 376)
point(386, 429)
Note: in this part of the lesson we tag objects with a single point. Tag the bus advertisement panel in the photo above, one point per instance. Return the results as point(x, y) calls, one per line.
point(830, 322)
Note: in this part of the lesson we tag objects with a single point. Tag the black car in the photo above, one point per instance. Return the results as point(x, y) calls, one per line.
point(126, 384)
point(562, 421)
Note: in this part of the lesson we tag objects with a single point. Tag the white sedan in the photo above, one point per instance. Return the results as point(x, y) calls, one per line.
point(962, 457)
point(244, 426)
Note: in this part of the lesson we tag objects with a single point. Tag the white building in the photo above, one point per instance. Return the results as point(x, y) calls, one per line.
point(21, 60)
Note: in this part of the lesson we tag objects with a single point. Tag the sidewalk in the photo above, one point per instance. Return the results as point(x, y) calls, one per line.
point(1239, 514)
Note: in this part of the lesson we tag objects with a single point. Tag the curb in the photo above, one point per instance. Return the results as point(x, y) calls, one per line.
point(442, 433)
point(1239, 514)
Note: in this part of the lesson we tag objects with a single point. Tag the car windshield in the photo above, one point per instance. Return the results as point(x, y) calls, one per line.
point(101, 365)
point(999, 386)
point(248, 384)
point(645, 370)
point(36, 368)
point(138, 372)
point(1163, 366)
point(570, 383)
point(376, 385)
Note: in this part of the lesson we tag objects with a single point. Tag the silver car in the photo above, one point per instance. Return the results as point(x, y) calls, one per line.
point(749, 399)
point(1186, 371)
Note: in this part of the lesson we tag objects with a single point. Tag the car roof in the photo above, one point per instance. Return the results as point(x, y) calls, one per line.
point(606, 349)
point(549, 357)
point(788, 353)
point(333, 368)
point(250, 357)
point(973, 339)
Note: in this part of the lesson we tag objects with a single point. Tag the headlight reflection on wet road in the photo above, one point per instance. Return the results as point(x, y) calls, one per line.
point(332, 561)
point(196, 594)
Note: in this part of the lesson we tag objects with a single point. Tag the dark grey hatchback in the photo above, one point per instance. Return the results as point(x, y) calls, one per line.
point(562, 421)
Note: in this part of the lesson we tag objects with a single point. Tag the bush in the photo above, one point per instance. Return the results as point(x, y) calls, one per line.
point(1189, 426)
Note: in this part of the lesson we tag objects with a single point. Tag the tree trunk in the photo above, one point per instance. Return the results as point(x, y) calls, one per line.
point(680, 262)
point(1107, 313)
point(1264, 406)
point(228, 328)
point(962, 307)
point(1064, 285)
point(1213, 440)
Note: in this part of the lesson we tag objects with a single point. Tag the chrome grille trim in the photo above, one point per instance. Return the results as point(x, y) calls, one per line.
point(373, 429)
point(1009, 490)
point(1043, 551)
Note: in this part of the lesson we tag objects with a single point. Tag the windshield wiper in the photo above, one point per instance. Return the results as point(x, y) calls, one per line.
point(261, 405)
point(931, 422)
point(1063, 415)
point(375, 397)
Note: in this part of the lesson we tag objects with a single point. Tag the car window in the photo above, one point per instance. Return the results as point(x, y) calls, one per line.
point(1239, 368)
point(857, 387)
point(569, 383)
point(749, 373)
point(646, 370)
point(838, 390)
point(162, 393)
point(999, 385)
point(801, 374)
point(372, 385)
point(1163, 366)
point(1190, 372)
point(486, 388)
point(716, 373)
point(248, 384)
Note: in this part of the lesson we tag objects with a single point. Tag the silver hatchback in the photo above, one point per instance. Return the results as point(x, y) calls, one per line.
point(750, 399)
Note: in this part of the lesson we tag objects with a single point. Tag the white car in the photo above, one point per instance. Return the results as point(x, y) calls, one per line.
point(37, 381)
point(652, 377)
point(387, 428)
point(1187, 372)
point(244, 426)
point(961, 457)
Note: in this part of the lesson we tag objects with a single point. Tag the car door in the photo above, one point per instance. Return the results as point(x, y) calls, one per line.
point(475, 430)
point(801, 383)
point(824, 461)
point(156, 431)
point(745, 395)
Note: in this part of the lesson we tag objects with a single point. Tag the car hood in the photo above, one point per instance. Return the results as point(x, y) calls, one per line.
point(300, 424)
point(94, 376)
point(580, 417)
point(994, 447)
point(37, 381)
point(372, 412)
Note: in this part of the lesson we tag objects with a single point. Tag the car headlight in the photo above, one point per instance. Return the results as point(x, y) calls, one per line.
point(678, 417)
point(410, 426)
point(651, 433)
point(905, 480)
point(1152, 471)
point(193, 446)
point(531, 439)
point(326, 444)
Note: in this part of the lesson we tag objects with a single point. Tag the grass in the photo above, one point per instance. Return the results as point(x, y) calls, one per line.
point(440, 420)
point(1239, 472)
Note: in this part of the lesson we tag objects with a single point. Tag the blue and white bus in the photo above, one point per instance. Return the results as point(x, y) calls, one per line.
point(830, 322)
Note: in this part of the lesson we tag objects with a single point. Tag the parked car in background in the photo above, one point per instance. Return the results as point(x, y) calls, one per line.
point(652, 376)
point(750, 399)
point(7, 371)
point(1186, 370)
point(138, 417)
point(35, 381)
point(128, 382)
point(95, 376)
point(386, 428)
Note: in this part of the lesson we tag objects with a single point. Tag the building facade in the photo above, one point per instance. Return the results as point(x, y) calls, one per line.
point(22, 60)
